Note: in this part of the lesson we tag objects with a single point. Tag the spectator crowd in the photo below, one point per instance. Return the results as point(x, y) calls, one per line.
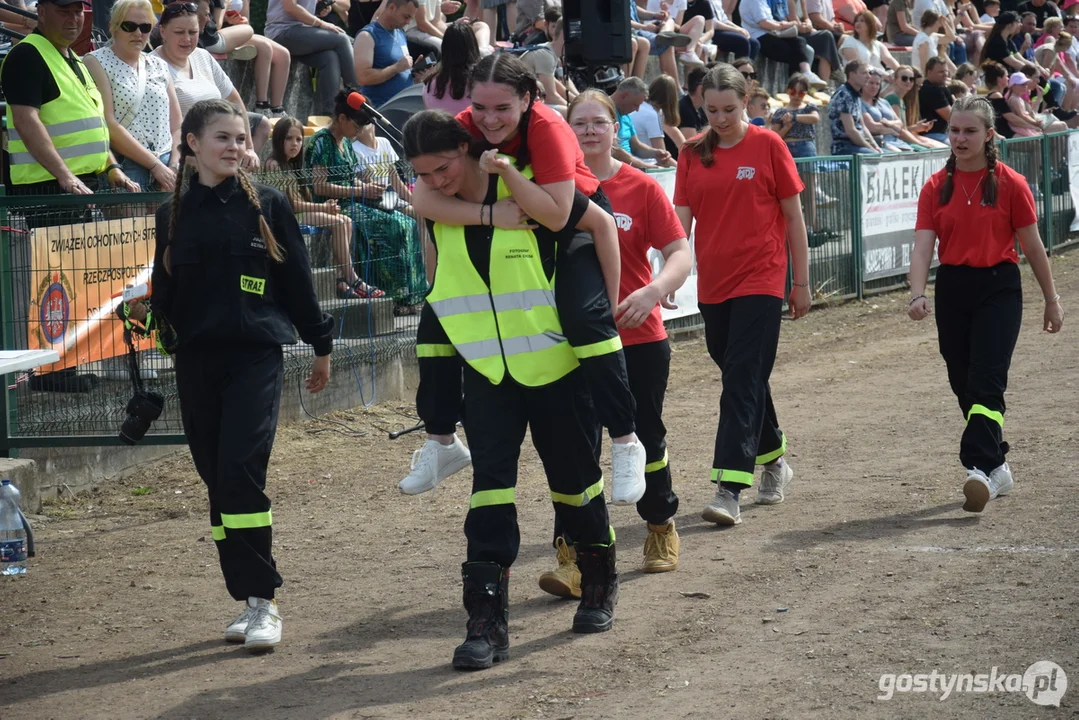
point(843, 75)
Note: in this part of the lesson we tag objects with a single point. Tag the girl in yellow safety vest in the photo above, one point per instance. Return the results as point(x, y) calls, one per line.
point(492, 304)
point(518, 131)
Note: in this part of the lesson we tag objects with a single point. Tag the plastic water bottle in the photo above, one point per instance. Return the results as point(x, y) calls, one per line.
point(12, 532)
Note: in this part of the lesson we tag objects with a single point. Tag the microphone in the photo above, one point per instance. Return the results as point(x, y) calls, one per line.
point(356, 101)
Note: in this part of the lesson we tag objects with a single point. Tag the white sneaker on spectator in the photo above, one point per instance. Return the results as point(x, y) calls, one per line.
point(823, 199)
point(627, 467)
point(433, 463)
point(690, 58)
point(814, 80)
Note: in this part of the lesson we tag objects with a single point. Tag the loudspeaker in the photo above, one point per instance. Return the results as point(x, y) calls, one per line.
point(597, 32)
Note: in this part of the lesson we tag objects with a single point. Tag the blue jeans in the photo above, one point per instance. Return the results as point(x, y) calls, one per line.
point(802, 148)
point(846, 147)
point(140, 174)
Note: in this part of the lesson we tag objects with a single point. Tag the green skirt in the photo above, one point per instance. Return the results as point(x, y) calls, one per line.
point(388, 252)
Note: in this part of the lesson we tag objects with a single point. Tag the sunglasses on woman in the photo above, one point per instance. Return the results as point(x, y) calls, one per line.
point(174, 9)
point(905, 78)
point(749, 75)
point(129, 26)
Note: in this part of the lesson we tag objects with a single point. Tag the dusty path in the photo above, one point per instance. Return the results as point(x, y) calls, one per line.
point(876, 568)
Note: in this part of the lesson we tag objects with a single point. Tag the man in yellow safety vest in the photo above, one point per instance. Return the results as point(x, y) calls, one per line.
point(57, 139)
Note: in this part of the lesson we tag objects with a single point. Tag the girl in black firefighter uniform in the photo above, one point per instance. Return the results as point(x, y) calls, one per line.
point(232, 277)
point(976, 206)
point(493, 295)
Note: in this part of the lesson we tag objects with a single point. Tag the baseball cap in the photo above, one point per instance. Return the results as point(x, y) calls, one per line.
point(1018, 79)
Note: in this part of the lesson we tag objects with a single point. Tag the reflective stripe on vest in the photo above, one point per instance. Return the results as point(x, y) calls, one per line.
point(510, 324)
point(75, 122)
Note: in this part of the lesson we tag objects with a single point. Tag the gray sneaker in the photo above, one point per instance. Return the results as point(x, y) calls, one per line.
point(723, 510)
point(775, 480)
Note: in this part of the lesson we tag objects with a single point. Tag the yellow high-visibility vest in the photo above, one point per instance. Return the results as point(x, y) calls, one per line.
point(510, 325)
point(75, 122)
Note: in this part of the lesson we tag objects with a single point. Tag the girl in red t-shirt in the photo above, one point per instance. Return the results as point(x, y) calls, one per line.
point(979, 298)
point(645, 219)
point(505, 119)
point(740, 184)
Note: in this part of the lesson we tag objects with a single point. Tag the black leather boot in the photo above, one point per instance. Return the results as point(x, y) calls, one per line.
point(487, 600)
point(599, 589)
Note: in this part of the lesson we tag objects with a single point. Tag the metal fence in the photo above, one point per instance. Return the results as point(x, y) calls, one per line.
point(65, 259)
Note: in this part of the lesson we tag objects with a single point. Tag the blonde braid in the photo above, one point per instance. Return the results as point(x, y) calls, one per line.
point(264, 227)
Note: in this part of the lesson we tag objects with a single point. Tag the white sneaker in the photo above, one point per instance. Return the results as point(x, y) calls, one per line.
point(627, 467)
point(433, 463)
point(814, 80)
point(723, 510)
point(237, 629)
point(775, 479)
point(264, 629)
point(976, 490)
point(1001, 481)
point(690, 58)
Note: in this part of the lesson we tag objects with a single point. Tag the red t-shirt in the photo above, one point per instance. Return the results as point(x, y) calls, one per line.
point(973, 234)
point(741, 235)
point(555, 154)
point(645, 219)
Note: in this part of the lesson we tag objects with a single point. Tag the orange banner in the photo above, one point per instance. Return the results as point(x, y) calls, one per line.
point(77, 275)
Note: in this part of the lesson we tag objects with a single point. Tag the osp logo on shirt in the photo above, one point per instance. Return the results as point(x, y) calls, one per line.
point(746, 173)
point(623, 221)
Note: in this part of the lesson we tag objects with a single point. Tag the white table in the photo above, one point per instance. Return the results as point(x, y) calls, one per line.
point(19, 360)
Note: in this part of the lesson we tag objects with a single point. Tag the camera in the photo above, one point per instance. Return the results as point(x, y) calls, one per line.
point(143, 408)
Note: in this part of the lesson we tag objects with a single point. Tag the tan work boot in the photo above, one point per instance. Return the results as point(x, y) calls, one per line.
point(566, 580)
point(661, 548)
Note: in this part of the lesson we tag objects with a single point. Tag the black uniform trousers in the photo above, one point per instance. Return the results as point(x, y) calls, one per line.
point(229, 402)
point(565, 433)
point(585, 312)
point(648, 366)
point(979, 311)
point(742, 335)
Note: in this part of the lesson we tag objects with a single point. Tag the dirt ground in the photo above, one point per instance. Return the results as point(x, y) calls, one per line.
point(870, 566)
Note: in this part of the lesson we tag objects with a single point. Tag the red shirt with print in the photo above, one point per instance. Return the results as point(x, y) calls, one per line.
point(974, 234)
point(741, 235)
point(645, 220)
point(555, 155)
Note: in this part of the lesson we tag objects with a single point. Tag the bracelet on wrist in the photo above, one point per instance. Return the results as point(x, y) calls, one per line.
point(915, 299)
point(114, 166)
point(1055, 298)
point(805, 285)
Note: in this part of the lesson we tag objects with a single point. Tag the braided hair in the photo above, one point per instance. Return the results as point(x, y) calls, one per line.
point(195, 122)
point(983, 110)
point(508, 69)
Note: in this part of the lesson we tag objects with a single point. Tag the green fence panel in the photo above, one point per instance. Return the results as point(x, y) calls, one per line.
point(827, 205)
point(1059, 203)
point(1027, 157)
point(64, 259)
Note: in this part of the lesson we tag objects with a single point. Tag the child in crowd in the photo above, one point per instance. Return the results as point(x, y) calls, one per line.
point(958, 89)
point(758, 108)
point(286, 164)
point(992, 9)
